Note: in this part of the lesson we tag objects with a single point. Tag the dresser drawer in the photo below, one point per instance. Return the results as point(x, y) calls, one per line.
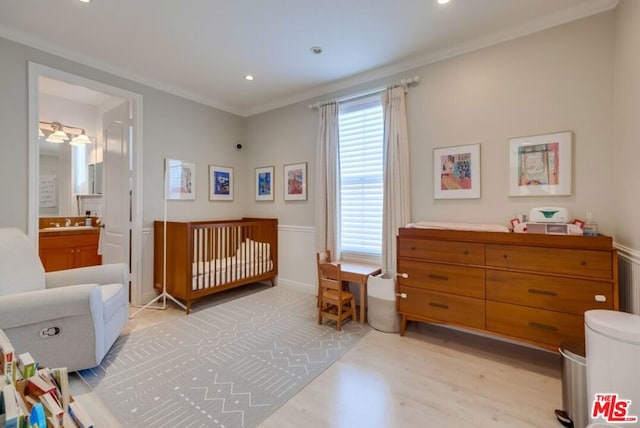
point(536, 325)
point(442, 251)
point(461, 280)
point(587, 263)
point(569, 295)
point(442, 307)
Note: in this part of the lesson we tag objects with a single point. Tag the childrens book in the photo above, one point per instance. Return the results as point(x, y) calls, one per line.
point(7, 359)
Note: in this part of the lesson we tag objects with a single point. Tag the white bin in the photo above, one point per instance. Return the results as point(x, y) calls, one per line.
point(613, 358)
point(381, 304)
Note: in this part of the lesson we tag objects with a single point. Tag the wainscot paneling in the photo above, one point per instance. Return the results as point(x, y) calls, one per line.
point(297, 257)
point(629, 279)
point(145, 292)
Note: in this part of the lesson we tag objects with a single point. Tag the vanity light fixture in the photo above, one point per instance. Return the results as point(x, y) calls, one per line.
point(80, 139)
point(52, 139)
point(56, 132)
point(58, 135)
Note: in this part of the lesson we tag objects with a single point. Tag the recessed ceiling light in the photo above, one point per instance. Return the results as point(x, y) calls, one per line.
point(443, 1)
point(249, 77)
point(317, 50)
point(85, 1)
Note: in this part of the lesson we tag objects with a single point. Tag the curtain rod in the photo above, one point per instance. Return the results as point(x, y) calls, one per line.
point(411, 81)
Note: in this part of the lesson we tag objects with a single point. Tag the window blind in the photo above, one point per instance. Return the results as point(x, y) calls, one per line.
point(361, 134)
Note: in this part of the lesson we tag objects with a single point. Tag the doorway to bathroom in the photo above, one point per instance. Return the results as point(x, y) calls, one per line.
point(112, 173)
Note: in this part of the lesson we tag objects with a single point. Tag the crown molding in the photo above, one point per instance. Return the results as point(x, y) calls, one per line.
point(54, 49)
point(582, 10)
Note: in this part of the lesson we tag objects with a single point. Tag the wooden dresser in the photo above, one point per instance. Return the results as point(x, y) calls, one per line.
point(527, 287)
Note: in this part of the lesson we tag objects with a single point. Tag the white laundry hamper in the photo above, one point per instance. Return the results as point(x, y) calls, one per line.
point(381, 304)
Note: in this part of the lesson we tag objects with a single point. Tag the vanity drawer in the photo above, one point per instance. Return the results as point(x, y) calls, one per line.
point(442, 251)
point(444, 307)
point(461, 280)
point(569, 295)
point(537, 325)
point(587, 263)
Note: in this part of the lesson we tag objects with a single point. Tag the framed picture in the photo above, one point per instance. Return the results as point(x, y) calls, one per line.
point(220, 183)
point(540, 165)
point(295, 182)
point(264, 183)
point(456, 172)
point(179, 180)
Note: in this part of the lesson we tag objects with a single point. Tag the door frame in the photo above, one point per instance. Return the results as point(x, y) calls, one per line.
point(35, 70)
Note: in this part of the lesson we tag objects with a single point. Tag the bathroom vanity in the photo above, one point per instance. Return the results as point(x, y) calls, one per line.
point(68, 247)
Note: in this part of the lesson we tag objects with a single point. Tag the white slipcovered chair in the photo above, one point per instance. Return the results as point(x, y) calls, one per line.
point(68, 318)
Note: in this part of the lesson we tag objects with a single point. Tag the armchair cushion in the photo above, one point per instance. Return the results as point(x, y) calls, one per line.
point(20, 266)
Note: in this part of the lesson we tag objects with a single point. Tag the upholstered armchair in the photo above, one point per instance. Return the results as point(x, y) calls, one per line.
point(68, 318)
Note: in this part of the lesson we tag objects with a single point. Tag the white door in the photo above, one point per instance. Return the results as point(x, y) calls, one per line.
point(117, 190)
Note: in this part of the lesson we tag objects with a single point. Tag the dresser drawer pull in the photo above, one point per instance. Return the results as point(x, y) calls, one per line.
point(439, 305)
point(403, 275)
point(401, 295)
point(544, 292)
point(438, 277)
point(542, 326)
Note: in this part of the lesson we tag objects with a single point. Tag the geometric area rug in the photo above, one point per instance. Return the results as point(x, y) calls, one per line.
point(226, 366)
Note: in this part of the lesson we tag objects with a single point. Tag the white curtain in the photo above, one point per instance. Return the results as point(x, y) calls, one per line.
point(396, 209)
point(327, 181)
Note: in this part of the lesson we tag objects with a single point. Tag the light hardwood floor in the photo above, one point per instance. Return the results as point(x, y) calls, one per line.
point(431, 377)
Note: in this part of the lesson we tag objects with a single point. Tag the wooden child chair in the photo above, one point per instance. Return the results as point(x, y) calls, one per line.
point(334, 302)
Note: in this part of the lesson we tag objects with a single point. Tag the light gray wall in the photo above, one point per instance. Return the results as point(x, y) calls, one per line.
point(626, 129)
point(173, 127)
point(558, 79)
point(555, 80)
point(277, 138)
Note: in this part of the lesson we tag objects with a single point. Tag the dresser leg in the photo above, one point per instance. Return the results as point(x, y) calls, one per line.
point(403, 324)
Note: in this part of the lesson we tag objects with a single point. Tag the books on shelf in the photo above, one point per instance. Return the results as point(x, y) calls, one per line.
point(60, 376)
point(52, 408)
point(7, 359)
point(27, 365)
point(37, 385)
point(79, 416)
point(32, 396)
point(13, 415)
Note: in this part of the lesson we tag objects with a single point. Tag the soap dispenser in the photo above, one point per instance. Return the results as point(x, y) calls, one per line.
point(590, 227)
point(87, 220)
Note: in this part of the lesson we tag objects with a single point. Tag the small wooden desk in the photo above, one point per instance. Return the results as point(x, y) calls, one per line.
point(358, 273)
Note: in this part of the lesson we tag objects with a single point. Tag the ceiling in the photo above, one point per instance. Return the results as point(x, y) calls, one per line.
point(202, 49)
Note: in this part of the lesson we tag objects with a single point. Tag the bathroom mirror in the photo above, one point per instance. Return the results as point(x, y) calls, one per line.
point(66, 172)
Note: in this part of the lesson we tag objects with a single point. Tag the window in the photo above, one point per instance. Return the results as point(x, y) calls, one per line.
point(361, 130)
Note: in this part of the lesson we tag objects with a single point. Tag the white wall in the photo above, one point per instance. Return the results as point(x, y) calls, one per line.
point(626, 129)
point(172, 126)
point(559, 79)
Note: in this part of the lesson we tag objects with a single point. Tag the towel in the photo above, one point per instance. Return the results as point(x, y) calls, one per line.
point(100, 239)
